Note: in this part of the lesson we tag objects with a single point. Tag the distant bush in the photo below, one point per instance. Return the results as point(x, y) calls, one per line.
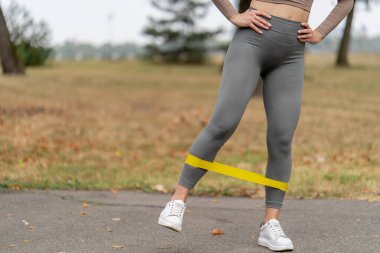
point(31, 55)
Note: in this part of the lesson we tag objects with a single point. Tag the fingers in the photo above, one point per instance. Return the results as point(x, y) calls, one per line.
point(306, 25)
point(307, 40)
point(256, 14)
point(261, 13)
point(259, 23)
point(307, 33)
point(264, 22)
point(256, 21)
point(307, 28)
point(255, 28)
point(305, 36)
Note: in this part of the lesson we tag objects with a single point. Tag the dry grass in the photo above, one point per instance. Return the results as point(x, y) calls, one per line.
point(101, 125)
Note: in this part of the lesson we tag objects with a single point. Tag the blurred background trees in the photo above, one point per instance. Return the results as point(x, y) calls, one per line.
point(176, 37)
point(23, 41)
point(30, 38)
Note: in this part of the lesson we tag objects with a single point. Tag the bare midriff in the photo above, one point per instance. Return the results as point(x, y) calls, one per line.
point(281, 10)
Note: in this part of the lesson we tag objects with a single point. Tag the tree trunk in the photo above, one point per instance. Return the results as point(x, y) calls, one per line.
point(9, 61)
point(342, 57)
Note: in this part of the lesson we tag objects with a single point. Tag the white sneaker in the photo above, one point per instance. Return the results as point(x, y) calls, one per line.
point(273, 237)
point(172, 215)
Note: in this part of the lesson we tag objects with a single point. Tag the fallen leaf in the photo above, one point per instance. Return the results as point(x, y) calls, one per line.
point(114, 191)
point(109, 229)
point(115, 219)
point(12, 245)
point(217, 232)
point(115, 246)
point(25, 222)
point(215, 200)
point(85, 205)
point(117, 153)
point(83, 213)
point(160, 188)
point(320, 158)
point(15, 187)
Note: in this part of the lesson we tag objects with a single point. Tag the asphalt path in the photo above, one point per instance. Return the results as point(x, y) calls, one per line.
point(126, 221)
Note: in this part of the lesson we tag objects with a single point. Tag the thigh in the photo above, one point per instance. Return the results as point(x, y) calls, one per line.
point(282, 95)
point(241, 72)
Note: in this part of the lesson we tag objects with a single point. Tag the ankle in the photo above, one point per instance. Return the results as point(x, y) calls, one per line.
point(267, 219)
point(183, 198)
point(180, 193)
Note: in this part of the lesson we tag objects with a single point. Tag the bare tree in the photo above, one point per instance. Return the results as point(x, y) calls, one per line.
point(9, 60)
point(342, 55)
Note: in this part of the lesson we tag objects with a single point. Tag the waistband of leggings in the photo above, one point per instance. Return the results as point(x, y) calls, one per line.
point(282, 24)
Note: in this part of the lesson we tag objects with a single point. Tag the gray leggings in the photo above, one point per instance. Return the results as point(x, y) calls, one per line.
point(278, 57)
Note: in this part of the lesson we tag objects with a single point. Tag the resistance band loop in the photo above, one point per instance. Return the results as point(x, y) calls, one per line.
point(234, 172)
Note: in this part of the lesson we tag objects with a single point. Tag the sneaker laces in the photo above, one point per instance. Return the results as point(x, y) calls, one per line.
point(176, 209)
point(276, 227)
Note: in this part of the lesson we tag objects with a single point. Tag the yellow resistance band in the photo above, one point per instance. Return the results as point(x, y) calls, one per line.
point(234, 172)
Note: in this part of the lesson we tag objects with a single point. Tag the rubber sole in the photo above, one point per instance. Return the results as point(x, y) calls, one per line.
point(265, 243)
point(169, 225)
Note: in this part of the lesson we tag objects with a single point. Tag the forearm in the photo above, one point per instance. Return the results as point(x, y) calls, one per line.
point(339, 12)
point(226, 8)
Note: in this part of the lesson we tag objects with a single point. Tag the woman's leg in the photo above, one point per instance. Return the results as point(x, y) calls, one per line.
point(282, 95)
point(241, 72)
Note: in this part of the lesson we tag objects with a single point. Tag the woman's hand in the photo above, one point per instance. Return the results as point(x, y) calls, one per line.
point(250, 18)
point(309, 35)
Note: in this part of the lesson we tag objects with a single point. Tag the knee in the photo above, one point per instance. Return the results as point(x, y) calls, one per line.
point(220, 131)
point(281, 141)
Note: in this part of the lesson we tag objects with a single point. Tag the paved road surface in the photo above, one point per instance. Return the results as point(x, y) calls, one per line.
point(126, 221)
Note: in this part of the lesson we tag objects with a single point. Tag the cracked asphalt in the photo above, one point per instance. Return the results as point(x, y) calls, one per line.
point(59, 221)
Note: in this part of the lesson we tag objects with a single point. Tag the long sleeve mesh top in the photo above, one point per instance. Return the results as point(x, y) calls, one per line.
point(340, 11)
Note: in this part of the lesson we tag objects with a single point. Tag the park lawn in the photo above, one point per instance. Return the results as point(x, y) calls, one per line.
point(129, 124)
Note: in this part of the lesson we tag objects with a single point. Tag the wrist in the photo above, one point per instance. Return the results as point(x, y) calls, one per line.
point(319, 34)
point(233, 16)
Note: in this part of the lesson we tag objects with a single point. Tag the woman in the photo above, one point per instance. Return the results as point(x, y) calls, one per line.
point(269, 43)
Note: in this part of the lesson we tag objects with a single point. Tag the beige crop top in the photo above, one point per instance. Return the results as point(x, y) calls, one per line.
point(341, 10)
